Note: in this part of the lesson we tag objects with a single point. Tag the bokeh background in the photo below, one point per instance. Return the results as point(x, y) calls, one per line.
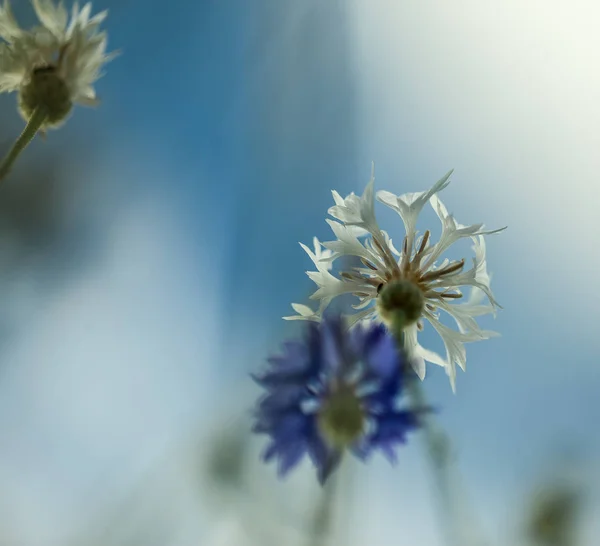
point(148, 250)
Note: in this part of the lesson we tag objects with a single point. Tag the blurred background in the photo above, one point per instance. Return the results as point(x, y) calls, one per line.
point(148, 250)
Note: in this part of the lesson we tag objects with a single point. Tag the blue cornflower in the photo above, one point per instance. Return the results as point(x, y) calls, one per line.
point(334, 390)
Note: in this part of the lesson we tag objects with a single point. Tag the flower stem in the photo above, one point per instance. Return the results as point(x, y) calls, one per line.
point(437, 445)
point(323, 516)
point(33, 126)
point(457, 531)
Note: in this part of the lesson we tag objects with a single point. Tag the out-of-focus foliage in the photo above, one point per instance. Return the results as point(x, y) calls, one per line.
point(554, 516)
point(226, 458)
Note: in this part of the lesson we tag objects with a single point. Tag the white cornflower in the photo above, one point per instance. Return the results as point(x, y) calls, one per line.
point(55, 64)
point(407, 285)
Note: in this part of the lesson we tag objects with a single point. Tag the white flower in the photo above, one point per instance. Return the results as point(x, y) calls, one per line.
point(56, 62)
point(415, 265)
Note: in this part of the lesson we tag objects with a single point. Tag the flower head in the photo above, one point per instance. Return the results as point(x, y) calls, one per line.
point(410, 284)
point(55, 64)
point(336, 390)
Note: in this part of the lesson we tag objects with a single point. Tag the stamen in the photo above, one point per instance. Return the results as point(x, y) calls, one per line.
point(357, 277)
point(416, 263)
point(389, 261)
point(424, 242)
point(405, 263)
point(434, 275)
point(368, 264)
point(432, 294)
point(452, 268)
point(451, 296)
point(373, 281)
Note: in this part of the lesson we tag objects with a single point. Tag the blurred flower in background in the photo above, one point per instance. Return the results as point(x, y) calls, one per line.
point(332, 391)
point(55, 64)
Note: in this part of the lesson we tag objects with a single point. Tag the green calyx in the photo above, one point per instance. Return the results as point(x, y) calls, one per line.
point(400, 303)
point(47, 90)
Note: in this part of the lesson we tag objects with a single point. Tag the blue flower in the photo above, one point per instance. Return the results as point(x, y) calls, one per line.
point(333, 391)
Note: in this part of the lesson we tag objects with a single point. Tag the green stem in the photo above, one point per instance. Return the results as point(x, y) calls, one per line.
point(33, 126)
point(323, 515)
point(439, 449)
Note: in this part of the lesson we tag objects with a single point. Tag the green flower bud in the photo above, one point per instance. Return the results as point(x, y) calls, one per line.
point(45, 88)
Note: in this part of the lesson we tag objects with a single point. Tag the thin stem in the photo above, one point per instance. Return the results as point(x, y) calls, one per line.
point(452, 503)
point(438, 448)
point(33, 126)
point(323, 516)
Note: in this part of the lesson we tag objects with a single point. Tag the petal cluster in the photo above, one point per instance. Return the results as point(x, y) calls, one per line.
point(418, 261)
point(357, 372)
point(73, 45)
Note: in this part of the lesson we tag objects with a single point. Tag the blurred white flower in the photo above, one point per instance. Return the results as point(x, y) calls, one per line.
point(410, 280)
point(54, 64)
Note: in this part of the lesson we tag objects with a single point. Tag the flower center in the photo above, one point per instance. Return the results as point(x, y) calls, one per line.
point(46, 89)
point(400, 302)
point(341, 419)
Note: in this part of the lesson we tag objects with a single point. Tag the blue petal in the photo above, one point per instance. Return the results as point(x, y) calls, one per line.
point(289, 433)
point(381, 353)
point(391, 429)
point(282, 426)
point(362, 449)
point(334, 352)
point(387, 448)
point(297, 364)
point(383, 398)
point(357, 337)
point(284, 398)
point(317, 448)
point(294, 357)
point(290, 457)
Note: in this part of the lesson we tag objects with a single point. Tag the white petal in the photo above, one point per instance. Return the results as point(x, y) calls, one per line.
point(9, 28)
point(319, 256)
point(330, 286)
point(303, 310)
point(409, 205)
point(357, 211)
point(464, 313)
point(304, 313)
point(455, 350)
point(466, 278)
point(347, 244)
point(54, 18)
point(355, 318)
point(452, 231)
point(418, 354)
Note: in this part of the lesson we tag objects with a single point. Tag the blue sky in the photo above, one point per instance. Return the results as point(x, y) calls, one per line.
point(221, 133)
